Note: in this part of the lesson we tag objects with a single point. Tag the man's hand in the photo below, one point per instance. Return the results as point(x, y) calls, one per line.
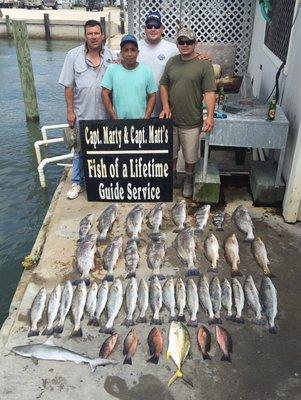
point(165, 113)
point(208, 124)
point(203, 57)
point(71, 118)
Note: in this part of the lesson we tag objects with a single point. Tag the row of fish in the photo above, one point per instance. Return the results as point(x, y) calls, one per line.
point(135, 218)
point(186, 250)
point(176, 297)
point(179, 344)
point(184, 242)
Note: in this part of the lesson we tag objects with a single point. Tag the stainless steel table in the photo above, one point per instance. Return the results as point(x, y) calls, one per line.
point(250, 128)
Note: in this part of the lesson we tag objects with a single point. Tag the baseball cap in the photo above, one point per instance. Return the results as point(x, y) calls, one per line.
point(186, 32)
point(154, 16)
point(128, 39)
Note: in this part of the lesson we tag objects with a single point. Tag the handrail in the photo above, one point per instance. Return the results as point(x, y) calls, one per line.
point(43, 162)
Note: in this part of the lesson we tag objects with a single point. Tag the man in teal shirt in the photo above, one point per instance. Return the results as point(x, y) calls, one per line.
point(132, 85)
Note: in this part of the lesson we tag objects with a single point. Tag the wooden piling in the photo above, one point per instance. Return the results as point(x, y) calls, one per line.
point(47, 27)
point(122, 29)
point(103, 28)
point(8, 27)
point(26, 72)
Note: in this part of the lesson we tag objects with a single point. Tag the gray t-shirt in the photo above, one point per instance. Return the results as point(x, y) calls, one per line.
point(79, 74)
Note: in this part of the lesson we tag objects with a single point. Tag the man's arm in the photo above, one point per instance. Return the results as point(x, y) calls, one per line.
point(151, 101)
point(71, 117)
point(107, 103)
point(164, 95)
point(210, 104)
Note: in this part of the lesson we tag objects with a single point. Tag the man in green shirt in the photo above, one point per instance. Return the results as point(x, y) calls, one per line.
point(183, 84)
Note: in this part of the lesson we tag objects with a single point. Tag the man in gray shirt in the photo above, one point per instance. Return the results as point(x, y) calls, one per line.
point(82, 73)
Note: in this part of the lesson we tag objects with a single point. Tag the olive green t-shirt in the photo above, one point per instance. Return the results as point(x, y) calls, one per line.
point(186, 82)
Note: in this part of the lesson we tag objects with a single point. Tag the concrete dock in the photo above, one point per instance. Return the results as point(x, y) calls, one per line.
point(264, 366)
point(64, 24)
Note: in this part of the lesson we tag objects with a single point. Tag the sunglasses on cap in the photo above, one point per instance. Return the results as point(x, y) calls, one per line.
point(153, 24)
point(188, 42)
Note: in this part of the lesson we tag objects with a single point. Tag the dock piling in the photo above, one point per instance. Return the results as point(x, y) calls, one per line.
point(47, 27)
point(103, 28)
point(8, 27)
point(122, 30)
point(25, 69)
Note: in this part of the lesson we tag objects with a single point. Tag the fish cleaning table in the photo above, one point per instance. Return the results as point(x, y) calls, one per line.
point(250, 128)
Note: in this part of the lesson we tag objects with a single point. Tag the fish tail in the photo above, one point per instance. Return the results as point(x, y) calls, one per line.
point(258, 321)
point(178, 374)
point(106, 330)
point(156, 235)
point(58, 329)
point(269, 274)
point(192, 323)
point(217, 321)
point(248, 239)
point(154, 359)
point(141, 320)
point(47, 332)
point(273, 329)
point(206, 356)
point(109, 278)
point(192, 272)
point(93, 321)
point(235, 272)
point(211, 321)
point(155, 321)
point(77, 333)
point(239, 320)
point(159, 276)
point(212, 269)
point(226, 357)
point(229, 317)
point(102, 239)
point(83, 279)
point(33, 332)
point(128, 322)
point(128, 360)
point(181, 318)
point(131, 275)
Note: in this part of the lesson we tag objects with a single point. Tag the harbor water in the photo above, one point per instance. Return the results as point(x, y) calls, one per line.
point(23, 204)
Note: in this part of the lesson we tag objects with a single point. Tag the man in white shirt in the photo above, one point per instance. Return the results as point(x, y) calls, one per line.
point(155, 51)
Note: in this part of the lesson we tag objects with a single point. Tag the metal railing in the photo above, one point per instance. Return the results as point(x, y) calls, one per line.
point(45, 142)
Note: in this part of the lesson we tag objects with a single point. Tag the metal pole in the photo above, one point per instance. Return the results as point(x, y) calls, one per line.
point(26, 72)
point(47, 27)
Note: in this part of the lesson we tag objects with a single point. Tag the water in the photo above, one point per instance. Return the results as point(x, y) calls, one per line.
point(23, 204)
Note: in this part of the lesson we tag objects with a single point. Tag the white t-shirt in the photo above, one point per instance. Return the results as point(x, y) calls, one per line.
point(156, 57)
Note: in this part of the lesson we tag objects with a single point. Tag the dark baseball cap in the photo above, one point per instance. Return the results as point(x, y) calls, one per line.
point(128, 39)
point(154, 16)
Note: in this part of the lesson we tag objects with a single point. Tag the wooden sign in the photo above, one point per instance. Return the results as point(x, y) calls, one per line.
point(127, 160)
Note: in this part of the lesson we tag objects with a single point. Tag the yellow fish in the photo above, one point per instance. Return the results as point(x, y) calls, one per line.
point(178, 348)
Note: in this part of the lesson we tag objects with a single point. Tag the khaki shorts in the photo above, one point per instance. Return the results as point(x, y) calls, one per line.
point(189, 140)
